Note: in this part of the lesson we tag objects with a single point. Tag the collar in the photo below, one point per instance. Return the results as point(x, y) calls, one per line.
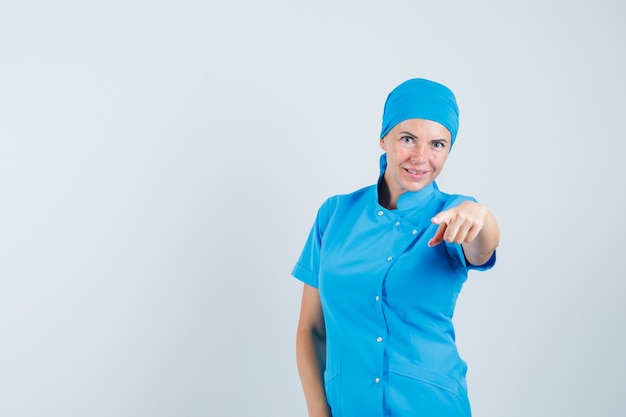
point(414, 199)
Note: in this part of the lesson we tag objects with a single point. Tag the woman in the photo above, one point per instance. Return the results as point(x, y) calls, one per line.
point(382, 269)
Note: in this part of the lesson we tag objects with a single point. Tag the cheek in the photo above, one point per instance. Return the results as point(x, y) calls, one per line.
point(440, 160)
point(393, 156)
point(401, 154)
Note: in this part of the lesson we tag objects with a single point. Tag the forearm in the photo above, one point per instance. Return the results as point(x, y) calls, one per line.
point(479, 250)
point(310, 355)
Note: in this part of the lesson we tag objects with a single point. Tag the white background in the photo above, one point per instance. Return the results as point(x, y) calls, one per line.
point(161, 164)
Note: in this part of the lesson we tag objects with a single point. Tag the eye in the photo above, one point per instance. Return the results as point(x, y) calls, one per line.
point(439, 145)
point(407, 139)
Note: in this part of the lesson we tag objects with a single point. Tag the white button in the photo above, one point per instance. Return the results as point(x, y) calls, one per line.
point(414, 232)
point(397, 223)
point(377, 380)
point(380, 212)
point(378, 298)
point(379, 339)
point(390, 258)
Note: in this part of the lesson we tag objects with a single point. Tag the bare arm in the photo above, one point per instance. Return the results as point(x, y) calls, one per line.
point(471, 225)
point(311, 352)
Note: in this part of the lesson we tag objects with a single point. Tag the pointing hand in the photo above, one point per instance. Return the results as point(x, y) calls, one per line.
point(460, 224)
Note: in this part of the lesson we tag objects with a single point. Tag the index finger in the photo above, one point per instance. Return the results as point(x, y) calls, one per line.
point(441, 217)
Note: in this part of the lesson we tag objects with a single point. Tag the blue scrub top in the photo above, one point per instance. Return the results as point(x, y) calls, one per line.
point(388, 301)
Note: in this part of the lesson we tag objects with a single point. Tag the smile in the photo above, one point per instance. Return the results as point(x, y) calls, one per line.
point(415, 171)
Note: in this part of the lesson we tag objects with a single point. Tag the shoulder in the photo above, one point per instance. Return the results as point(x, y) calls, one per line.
point(447, 200)
point(340, 204)
point(364, 195)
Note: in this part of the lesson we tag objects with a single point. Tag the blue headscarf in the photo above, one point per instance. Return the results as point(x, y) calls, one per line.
point(419, 98)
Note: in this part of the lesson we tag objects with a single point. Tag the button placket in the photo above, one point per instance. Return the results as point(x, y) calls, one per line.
point(400, 233)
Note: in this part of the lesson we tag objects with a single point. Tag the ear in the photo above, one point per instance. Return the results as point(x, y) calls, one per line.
point(382, 144)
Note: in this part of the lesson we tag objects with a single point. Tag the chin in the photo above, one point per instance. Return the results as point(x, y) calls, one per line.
point(416, 187)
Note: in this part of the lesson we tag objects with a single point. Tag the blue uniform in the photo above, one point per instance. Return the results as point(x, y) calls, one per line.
point(388, 301)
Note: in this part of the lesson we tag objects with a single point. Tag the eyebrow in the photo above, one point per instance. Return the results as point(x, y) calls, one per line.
point(408, 133)
point(417, 137)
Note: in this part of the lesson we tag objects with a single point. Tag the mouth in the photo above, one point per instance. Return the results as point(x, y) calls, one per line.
point(416, 172)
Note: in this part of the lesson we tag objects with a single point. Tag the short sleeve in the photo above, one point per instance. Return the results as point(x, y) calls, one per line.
point(486, 266)
point(308, 265)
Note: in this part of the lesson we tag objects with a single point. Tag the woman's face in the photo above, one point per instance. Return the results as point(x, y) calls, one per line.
point(416, 151)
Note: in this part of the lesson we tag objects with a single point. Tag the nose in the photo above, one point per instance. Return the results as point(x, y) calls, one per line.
point(418, 153)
